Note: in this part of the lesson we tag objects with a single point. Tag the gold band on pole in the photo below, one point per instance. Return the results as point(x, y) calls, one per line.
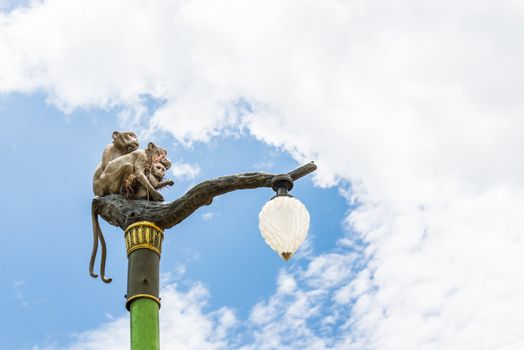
point(144, 235)
point(138, 296)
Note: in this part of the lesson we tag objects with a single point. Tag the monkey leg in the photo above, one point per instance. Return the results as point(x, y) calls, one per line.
point(154, 194)
point(111, 180)
point(141, 193)
point(96, 179)
point(97, 188)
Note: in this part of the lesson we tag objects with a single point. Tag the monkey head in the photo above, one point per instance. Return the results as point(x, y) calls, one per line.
point(153, 152)
point(158, 170)
point(125, 141)
point(163, 159)
point(158, 155)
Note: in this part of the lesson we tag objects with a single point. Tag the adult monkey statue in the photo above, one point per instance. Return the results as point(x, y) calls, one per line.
point(124, 142)
point(110, 182)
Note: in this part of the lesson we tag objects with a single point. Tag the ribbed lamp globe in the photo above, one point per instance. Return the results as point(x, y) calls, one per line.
point(284, 223)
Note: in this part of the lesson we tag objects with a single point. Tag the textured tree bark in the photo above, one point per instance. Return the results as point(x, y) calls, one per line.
point(121, 212)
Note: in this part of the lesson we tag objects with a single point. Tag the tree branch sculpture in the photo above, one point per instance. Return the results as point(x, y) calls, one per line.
point(119, 211)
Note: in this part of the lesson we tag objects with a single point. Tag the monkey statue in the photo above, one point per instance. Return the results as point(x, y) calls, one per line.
point(112, 178)
point(123, 160)
point(134, 163)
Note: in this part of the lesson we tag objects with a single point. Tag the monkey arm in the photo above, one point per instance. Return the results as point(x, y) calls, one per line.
point(121, 212)
point(163, 184)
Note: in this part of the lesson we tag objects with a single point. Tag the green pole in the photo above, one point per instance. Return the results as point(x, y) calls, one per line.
point(143, 244)
point(145, 334)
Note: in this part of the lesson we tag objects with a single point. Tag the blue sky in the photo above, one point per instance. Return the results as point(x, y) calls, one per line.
point(411, 110)
point(50, 294)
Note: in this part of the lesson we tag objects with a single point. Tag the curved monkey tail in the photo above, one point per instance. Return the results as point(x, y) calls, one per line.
point(98, 236)
point(96, 228)
point(103, 258)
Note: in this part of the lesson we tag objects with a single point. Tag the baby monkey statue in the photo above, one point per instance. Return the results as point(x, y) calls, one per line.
point(133, 189)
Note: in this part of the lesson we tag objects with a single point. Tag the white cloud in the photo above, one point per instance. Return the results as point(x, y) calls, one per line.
point(417, 104)
point(184, 325)
point(208, 216)
point(185, 171)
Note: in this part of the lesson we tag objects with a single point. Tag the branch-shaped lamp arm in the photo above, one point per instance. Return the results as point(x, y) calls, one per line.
point(121, 212)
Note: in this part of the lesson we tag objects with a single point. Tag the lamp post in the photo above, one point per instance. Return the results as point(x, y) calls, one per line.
point(144, 247)
point(283, 222)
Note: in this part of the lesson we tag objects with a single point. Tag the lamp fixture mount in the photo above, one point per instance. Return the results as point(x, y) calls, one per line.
point(282, 184)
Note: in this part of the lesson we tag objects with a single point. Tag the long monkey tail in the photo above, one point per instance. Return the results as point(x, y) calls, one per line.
point(98, 235)
point(103, 257)
point(96, 227)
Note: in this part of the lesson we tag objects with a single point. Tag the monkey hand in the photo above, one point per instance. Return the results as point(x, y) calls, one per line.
point(156, 196)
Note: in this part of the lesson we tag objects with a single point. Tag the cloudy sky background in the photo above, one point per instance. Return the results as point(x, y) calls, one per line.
point(413, 111)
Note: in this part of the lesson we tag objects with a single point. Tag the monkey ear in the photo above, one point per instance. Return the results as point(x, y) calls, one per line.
point(151, 146)
point(115, 134)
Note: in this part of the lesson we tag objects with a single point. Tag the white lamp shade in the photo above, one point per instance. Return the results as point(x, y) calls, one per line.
point(284, 223)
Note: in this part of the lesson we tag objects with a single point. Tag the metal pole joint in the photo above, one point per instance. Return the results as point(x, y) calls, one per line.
point(144, 247)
